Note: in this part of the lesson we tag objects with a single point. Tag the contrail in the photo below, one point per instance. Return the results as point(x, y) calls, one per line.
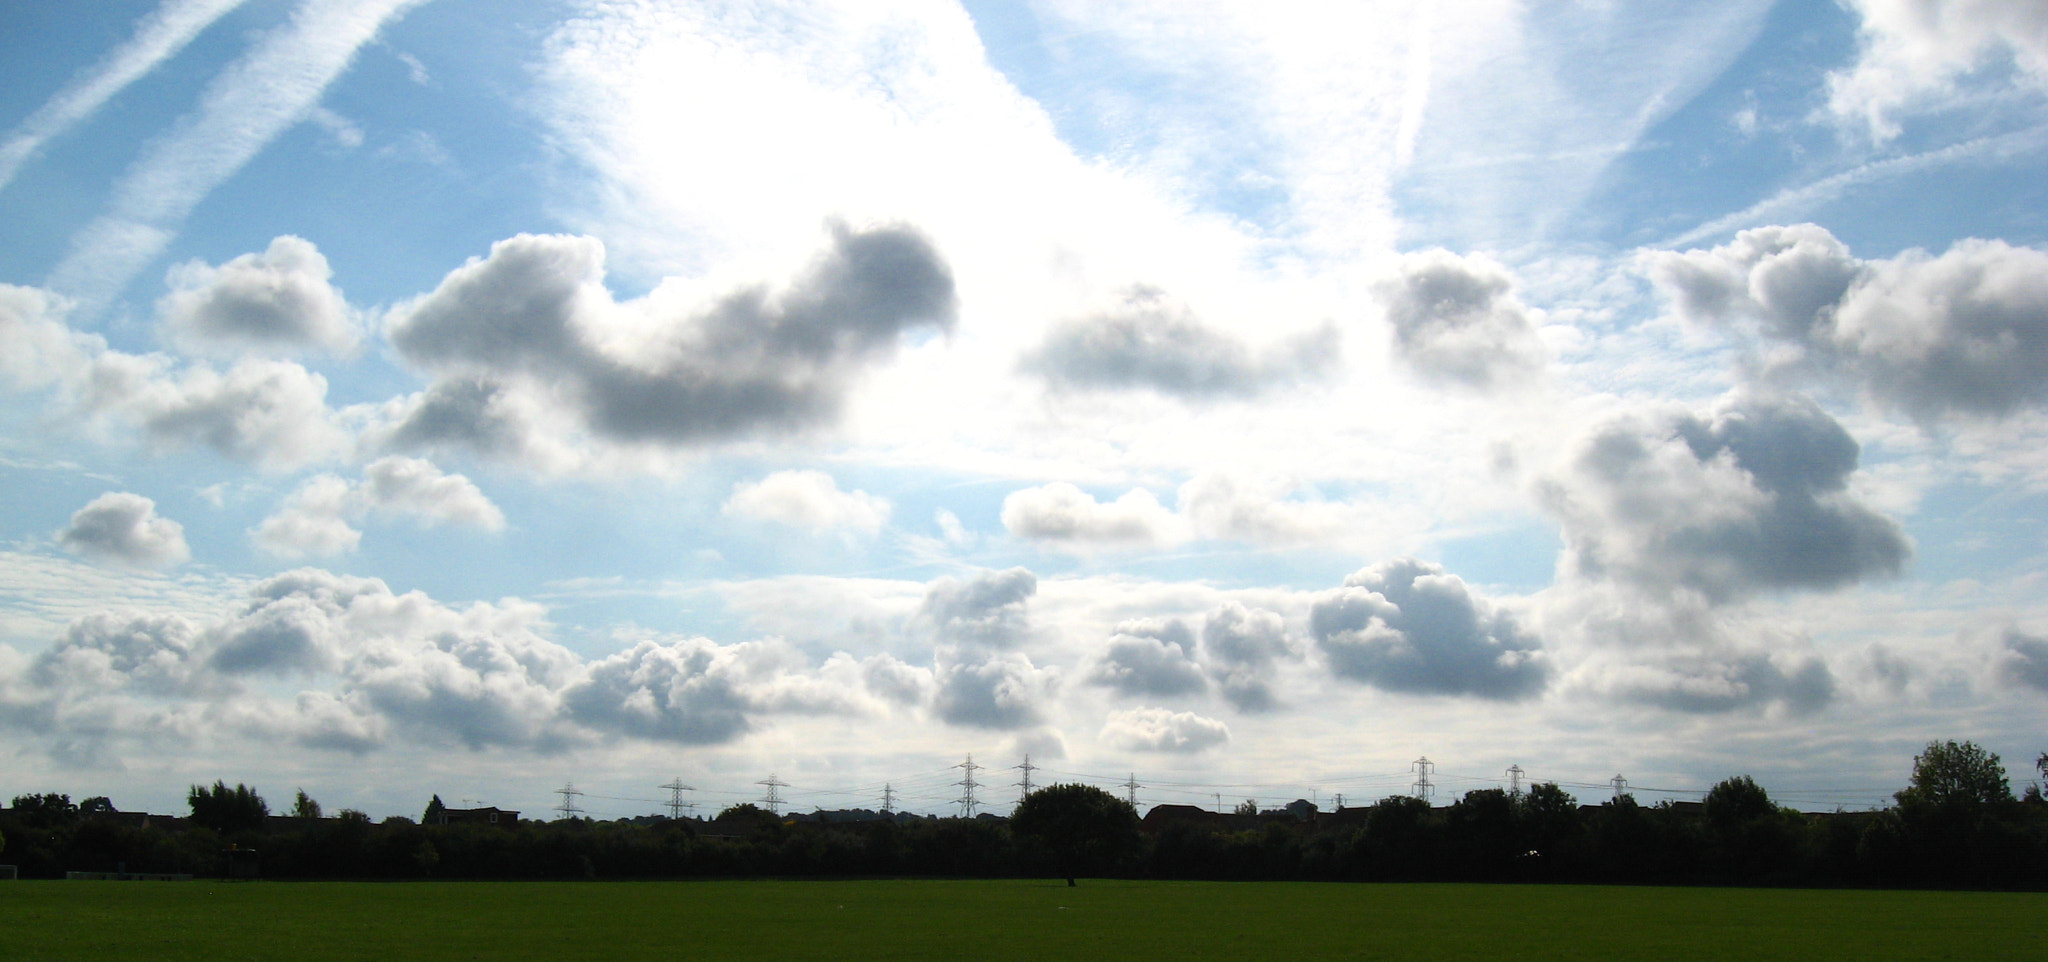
point(242, 111)
point(157, 38)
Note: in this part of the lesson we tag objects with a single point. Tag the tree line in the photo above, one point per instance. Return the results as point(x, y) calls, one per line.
point(1956, 824)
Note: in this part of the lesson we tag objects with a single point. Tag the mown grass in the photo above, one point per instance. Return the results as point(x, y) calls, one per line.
point(1036, 920)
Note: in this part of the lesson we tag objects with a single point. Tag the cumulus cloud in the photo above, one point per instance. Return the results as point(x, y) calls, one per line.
point(1726, 683)
point(1151, 656)
point(1161, 730)
point(270, 412)
point(534, 318)
point(1963, 333)
point(378, 666)
point(1751, 497)
point(279, 300)
point(1456, 321)
point(1209, 506)
point(1409, 626)
point(2023, 659)
point(124, 529)
point(986, 612)
point(319, 519)
point(1152, 341)
point(980, 679)
point(808, 499)
point(1241, 646)
point(1915, 51)
point(1004, 692)
point(1066, 516)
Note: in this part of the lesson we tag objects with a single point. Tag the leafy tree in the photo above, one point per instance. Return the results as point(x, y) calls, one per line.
point(45, 809)
point(1248, 807)
point(96, 805)
point(433, 813)
point(305, 806)
point(1951, 775)
point(1085, 828)
point(225, 809)
point(1738, 801)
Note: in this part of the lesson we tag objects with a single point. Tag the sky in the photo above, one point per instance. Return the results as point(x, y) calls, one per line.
point(1241, 400)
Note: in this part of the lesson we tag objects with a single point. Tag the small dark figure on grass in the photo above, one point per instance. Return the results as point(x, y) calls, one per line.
point(1085, 828)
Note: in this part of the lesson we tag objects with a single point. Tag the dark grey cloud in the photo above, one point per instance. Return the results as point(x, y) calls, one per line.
point(1241, 646)
point(1715, 685)
point(1753, 497)
point(1964, 333)
point(1152, 341)
point(457, 412)
point(1409, 626)
point(1151, 656)
point(280, 299)
point(124, 528)
point(1457, 321)
point(535, 315)
point(2024, 659)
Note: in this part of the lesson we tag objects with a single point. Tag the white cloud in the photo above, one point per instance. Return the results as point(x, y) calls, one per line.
point(529, 341)
point(1150, 340)
point(1962, 334)
point(273, 413)
point(1151, 657)
point(1456, 321)
point(1066, 516)
point(279, 300)
point(1752, 497)
point(1913, 52)
point(318, 519)
point(1162, 730)
point(124, 528)
point(1410, 626)
point(808, 499)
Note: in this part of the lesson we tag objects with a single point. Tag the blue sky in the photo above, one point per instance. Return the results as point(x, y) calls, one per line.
point(432, 396)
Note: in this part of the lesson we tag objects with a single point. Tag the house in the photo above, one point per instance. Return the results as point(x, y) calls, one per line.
point(490, 815)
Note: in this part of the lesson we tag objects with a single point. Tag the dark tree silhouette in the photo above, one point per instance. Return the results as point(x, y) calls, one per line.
point(1950, 774)
point(305, 806)
point(225, 809)
point(1086, 829)
point(432, 816)
point(1738, 801)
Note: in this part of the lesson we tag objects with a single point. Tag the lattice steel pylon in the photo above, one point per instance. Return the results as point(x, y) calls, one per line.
point(1620, 786)
point(676, 804)
point(1423, 768)
point(1025, 784)
point(568, 807)
point(1515, 774)
point(774, 797)
point(1131, 787)
point(888, 798)
point(967, 801)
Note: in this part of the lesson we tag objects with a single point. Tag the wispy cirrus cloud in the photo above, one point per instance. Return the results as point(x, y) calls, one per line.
point(158, 37)
point(242, 111)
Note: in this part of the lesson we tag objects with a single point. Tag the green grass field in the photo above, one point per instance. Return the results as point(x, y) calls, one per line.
point(1037, 920)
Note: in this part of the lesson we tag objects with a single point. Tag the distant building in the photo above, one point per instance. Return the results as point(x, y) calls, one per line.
point(485, 816)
